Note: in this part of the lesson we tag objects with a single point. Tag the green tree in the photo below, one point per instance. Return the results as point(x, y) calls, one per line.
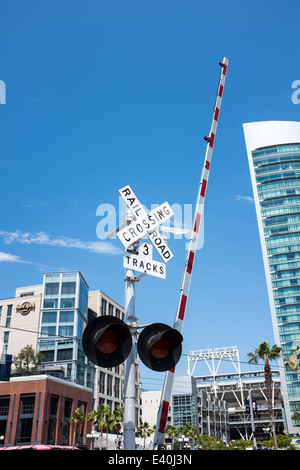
point(171, 432)
point(145, 430)
point(283, 442)
point(240, 445)
point(77, 419)
point(27, 361)
point(263, 351)
point(191, 432)
point(117, 420)
point(210, 442)
point(99, 418)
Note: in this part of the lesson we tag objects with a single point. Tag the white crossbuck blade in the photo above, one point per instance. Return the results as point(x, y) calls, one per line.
point(145, 224)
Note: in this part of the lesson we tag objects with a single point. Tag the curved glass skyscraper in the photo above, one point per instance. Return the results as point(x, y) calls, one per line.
point(273, 149)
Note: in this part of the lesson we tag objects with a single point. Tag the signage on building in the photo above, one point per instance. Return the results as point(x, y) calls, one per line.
point(25, 307)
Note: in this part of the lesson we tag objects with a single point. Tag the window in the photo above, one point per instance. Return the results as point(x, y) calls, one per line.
point(4, 408)
point(109, 386)
point(117, 387)
point(65, 354)
point(65, 330)
point(66, 317)
point(49, 317)
point(25, 419)
point(50, 303)
point(51, 288)
point(52, 419)
point(67, 302)
point(66, 425)
point(48, 330)
point(102, 382)
point(103, 307)
point(68, 288)
point(66, 320)
point(110, 309)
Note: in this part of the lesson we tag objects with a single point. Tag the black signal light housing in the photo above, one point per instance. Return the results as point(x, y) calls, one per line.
point(159, 347)
point(107, 341)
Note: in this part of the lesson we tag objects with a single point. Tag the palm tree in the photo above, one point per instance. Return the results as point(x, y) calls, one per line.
point(179, 434)
point(171, 431)
point(99, 418)
point(118, 420)
point(264, 352)
point(76, 419)
point(190, 431)
point(145, 430)
point(109, 425)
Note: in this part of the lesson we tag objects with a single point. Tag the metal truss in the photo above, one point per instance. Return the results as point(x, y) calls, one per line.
point(233, 387)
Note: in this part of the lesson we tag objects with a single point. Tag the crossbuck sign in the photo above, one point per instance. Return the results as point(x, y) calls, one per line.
point(145, 225)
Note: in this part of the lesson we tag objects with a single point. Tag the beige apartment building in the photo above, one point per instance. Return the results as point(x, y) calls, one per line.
point(20, 319)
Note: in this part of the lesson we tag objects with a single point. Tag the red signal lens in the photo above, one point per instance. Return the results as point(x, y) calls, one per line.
point(160, 349)
point(108, 342)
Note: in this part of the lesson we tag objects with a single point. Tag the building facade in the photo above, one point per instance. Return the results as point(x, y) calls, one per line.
point(189, 405)
point(19, 319)
point(273, 150)
point(51, 317)
point(63, 316)
point(234, 387)
point(36, 410)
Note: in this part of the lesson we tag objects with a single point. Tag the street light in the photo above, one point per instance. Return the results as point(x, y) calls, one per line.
point(93, 436)
point(185, 440)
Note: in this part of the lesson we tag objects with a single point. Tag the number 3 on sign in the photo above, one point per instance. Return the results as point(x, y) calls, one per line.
point(146, 250)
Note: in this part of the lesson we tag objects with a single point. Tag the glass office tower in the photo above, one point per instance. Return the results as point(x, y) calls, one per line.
point(64, 314)
point(273, 149)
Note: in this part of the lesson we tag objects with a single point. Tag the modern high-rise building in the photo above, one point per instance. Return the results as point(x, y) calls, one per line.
point(64, 314)
point(273, 149)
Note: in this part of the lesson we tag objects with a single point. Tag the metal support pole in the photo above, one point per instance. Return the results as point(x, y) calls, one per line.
point(129, 384)
point(252, 421)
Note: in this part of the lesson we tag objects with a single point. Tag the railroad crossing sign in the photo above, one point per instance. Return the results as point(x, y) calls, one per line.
point(145, 224)
point(144, 263)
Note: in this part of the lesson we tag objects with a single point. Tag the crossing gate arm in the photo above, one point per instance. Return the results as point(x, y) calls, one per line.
point(191, 252)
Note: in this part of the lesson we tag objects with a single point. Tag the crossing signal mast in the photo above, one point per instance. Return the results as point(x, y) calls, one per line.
point(108, 341)
point(190, 257)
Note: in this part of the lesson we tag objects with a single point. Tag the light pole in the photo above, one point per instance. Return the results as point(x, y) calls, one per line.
point(93, 436)
point(252, 421)
point(183, 441)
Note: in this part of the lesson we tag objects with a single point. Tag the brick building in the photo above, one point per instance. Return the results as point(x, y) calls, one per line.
point(36, 410)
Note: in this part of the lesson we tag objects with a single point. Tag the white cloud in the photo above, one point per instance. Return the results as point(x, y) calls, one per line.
point(8, 257)
point(244, 198)
point(43, 238)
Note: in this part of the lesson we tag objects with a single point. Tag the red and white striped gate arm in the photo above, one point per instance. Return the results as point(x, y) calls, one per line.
point(190, 257)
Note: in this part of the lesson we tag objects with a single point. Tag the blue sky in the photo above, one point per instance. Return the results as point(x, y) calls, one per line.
point(102, 94)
